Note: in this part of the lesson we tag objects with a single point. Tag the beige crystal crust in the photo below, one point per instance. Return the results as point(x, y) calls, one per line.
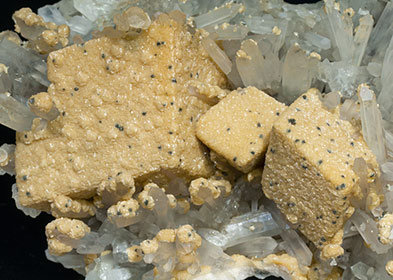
point(115, 97)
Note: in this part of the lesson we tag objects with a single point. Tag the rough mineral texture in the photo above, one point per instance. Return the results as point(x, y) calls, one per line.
point(115, 98)
point(308, 168)
point(238, 127)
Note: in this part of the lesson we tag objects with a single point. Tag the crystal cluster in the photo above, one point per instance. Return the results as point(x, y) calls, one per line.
point(344, 49)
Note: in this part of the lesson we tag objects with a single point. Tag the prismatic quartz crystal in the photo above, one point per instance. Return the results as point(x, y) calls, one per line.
point(195, 139)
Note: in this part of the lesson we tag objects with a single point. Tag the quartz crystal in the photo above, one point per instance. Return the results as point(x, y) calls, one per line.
point(372, 123)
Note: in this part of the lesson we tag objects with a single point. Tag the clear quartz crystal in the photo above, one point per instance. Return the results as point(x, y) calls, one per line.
point(248, 226)
point(385, 97)
point(372, 123)
point(7, 159)
point(362, 35)
point(250, 64)
point(217, 54)
point(296, 73)
point(219, 15)
point(342, 29)
point(295, 246)
point(317, 40)
point(257, 247)
point(227, 31)
point(15, 115)
point(367, 228)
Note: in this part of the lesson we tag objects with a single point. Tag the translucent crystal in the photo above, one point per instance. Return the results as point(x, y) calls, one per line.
point(317, 40)
point(362, 35)
point(295, 246)
point(69, 260)
point(94, 243)
point(50, 13)
point(331, 100)
point(381, 34)
point(387, 170)
point(26, 70)
point(263, 24)
point(296, 73)
point(218, 16)
point(372, 123)
point(247, 226)
point(27, 211)
point(15, 115)
point(250, 64)
point(227, 31)
point(7, 159)
point(342, 29)
point(94, 9)
point(133, 17)
point(257, 247)
point(361, 270)
point(367, 228)
point(375, 69)
point(342, 76)
point(385, 97)
point(218, 55)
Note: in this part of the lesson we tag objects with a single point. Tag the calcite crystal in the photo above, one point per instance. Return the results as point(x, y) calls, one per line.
point(154, 132)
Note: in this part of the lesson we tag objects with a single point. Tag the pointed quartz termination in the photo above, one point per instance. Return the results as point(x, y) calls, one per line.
point(25, 68)
point(251, 65)
point(219, 15)
point(367, 228)
point(362, 35)
point(133, 17)
point(296, 247)
point(7, 159)
point(217, 54)
point(14, 114)
point(99, 10)
point(297, 73)
point(372, 122)
point(342, 29)
point(385, 97)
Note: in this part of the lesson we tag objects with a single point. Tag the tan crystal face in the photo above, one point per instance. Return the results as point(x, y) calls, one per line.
point(124, 108)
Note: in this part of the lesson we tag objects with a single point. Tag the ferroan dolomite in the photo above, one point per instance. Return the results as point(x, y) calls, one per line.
point(124, 110)
point(308, 169)
point(238, 127)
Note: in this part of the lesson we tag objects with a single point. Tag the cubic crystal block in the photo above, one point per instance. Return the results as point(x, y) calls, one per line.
point(308, 168)
point(238, 127)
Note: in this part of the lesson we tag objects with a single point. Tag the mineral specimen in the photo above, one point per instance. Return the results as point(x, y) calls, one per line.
point(114, 101)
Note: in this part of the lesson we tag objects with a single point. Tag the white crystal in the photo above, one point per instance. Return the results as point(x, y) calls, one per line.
point(217, 54)
point(375, 69)
point(372, 123)
point(331, 100)
point(69, 260)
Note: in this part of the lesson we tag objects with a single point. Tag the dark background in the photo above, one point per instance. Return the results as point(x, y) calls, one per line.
point(22, 239)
